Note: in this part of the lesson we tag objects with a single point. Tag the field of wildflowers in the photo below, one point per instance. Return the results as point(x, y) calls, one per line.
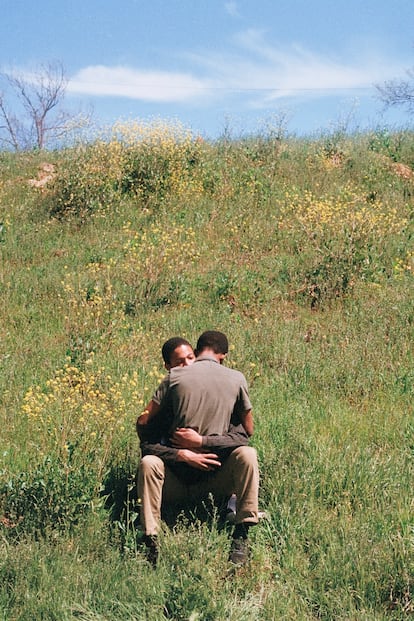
point(302, 251)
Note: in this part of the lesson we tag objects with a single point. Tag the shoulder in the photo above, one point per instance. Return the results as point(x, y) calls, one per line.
point(236, 375)
point(177, 374)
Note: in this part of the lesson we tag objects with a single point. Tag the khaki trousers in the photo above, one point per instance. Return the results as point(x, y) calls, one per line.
point(157, 484)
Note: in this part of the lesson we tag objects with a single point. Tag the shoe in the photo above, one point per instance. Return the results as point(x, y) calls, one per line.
point(239, 551)
point(151, 549)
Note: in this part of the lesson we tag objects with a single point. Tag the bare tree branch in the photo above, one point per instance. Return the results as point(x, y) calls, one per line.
point(10, 125)
point(40, 96)
point(398, 92)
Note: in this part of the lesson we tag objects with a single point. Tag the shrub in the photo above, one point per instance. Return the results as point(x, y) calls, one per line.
point(145, 160)
point(87, 179)
point(159, 159)
point(54, 495)
point(337, 238)
point(80, 415)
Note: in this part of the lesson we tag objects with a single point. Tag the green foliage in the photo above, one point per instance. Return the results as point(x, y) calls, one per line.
point(388, 143)
point(86, 181)
point(145, 162)
point(52, 496)
point(300, 250)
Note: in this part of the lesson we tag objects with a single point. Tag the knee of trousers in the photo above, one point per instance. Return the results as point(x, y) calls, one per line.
point(151, 465)
point(246, 455)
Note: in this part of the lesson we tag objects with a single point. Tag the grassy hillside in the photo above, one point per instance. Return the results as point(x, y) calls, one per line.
point(302, 252)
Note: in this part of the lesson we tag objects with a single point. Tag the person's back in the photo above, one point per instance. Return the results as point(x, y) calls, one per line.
point(205, 395)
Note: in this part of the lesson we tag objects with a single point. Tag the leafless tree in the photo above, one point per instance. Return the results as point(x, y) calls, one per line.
point(38, 117)
point(398, 92)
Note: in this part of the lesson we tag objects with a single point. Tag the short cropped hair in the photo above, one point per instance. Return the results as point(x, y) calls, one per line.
point(170, 346)
point(211, 339)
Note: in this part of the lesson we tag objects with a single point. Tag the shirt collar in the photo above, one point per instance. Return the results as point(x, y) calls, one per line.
point(202, 357)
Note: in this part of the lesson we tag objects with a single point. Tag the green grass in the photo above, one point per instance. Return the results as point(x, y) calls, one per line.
point(260, 237)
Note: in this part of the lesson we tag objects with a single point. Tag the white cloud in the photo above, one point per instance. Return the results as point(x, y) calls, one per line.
point(252, 68)
point(274, 72)
point(156, 86)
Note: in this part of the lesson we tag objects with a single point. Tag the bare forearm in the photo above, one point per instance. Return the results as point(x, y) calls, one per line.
point(247, 422)
point(146, 416)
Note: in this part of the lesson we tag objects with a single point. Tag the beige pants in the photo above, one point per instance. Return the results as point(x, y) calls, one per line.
point(238, 474)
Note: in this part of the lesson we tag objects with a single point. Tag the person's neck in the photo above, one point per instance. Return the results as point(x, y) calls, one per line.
point(212, 354)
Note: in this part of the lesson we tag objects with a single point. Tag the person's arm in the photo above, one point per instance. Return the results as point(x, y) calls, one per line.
point(247, 422)
point(145, 417)
point(187, 441)
point(171, 456)
point(153, 446)
point(150, 421)
point(222, 445)
point(154, 431)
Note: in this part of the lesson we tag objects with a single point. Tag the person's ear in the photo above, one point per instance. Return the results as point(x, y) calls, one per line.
point(167, 366)
point(222, 357)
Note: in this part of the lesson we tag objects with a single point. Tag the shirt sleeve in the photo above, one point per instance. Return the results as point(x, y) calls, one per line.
point(223, 445)
point(243, 403)
point(168, 454)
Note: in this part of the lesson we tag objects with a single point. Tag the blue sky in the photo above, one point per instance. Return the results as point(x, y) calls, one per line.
point(242, 64)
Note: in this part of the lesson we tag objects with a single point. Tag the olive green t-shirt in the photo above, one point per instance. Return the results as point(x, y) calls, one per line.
point(204, 396)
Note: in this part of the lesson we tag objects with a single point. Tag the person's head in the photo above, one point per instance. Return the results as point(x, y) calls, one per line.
point(214, 342)
point(177, 352)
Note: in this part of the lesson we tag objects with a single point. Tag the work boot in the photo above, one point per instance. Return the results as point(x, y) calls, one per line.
point(239, 551)
point(151, 551)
